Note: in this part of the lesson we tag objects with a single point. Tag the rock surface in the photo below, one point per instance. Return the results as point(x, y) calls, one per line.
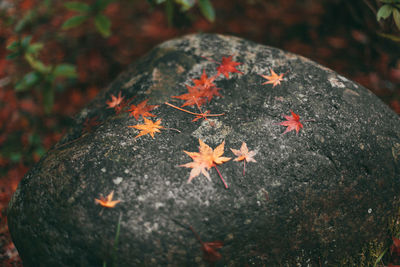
point(314, 197)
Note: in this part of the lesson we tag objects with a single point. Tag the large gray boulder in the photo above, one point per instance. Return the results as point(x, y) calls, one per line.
point(317, 197)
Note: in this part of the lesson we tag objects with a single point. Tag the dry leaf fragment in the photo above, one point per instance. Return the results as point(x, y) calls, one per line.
point(149, 127)
point(115, 101)
point(205, 159)
point(210, 253)
point(107, 201)
point(142, 109)
point(292, 123)
point(274, 78)
point(244, 155)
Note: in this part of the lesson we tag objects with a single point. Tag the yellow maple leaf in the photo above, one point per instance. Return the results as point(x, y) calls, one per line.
point(107, 201)
point(274, 78)
point(149, 127)
point(205, 159)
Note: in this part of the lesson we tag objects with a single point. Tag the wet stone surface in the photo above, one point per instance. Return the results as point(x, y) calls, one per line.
point(316, 196)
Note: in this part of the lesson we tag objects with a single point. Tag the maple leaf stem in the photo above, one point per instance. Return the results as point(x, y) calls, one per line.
point(210, 59)
point(193, 113)
point(181, 109)
point(244, 167)
point(226, 186)
point(174, 129)
point(196, 234)
point(197, 104)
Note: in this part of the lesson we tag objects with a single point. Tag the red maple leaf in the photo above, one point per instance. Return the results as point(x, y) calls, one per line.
point(195, 96)
point(206, 86)
point(292, 123)
point(204, 81)
point(228, 66)
point(142, 109)
point(204, 89)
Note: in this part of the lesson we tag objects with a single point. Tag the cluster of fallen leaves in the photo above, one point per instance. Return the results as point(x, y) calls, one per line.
point(201, 92)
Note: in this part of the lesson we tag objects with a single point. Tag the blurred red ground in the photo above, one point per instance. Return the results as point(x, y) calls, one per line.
point(337, 34)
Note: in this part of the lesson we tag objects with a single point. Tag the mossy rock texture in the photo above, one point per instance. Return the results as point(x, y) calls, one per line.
point(311, 198)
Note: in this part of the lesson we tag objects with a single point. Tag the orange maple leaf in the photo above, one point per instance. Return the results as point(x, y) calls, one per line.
point(205, 159)
point(245, 155)
point(107, 201)
point(115, 101)
point(274, 78)
point(228, 66)
point(142, 109)
point(292, 123)
point(149, 127)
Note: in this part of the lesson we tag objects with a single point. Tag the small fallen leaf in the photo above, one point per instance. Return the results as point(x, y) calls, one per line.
point(228, 66)
point(142, 109)
point(292, 123)
point(193, 97)
point(205, 159)
point(204, 81)
point(107, 201)
point(115, 101)
point(89, 124)
point(274, 78)
point(210, 253)
point(244, 155)
point(149, 127)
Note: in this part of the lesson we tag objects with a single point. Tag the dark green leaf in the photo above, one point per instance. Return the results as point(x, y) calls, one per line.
point(34, 139)
point(34, 48)
point(13, 46)
point(15, 156)
point(169, 10)
point(185, 4)
point(103, 25)
point(40, 151)
point(36, 64)
point(13, 55)
point(26, 20)
point(65, 70)
point(73, 22)
point(48, 98)
point(102, 4)
point(27, 81)
point(384, 12)
point(396, 17)
point(25, 42)
point(207, 9)
point(390, 36)
point(77, 6)
point(160, 1)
